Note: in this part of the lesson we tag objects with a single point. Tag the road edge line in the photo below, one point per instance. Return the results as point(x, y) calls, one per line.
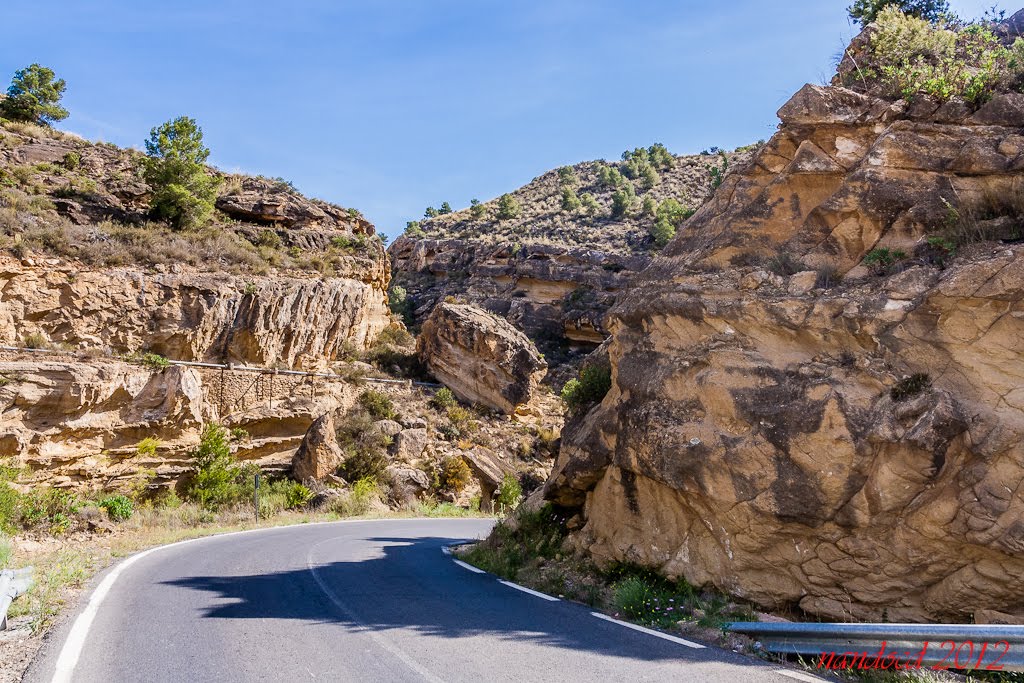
point(538, 594)
point(464, 565)
point(799, 675)
point(71, 650)
point(650, 631)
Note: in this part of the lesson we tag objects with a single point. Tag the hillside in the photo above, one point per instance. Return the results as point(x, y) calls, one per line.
point(544, 219)
point(554, 269)
point(66, 197)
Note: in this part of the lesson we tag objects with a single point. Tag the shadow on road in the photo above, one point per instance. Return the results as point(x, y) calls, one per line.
point(408, 584)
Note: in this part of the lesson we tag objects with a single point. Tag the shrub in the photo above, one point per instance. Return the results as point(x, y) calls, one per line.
point(882, 260)
point(509, 494)
point(147, 447)
point(476, 209)
point(72, 160)
point(593, 383)
point(610, 177)
point(508, 207)
point(269, 239)
point(785, 264)
point(911, 56)
point(590, 204)
point(377, 404)
point(865, 12)
point(445, 208)
point(413, 230)
point(570, 202)
point(119, 508)
point(34, 96)
point(537, 534)
point(400, 304)
point(443, 399)
point(35, 340)
point(910, 386)
point(297, 495)
point(430, 212)
point(567, 177)
point(649, 207)
point(153, 361)
point(660, 157)
point(716, 172)
point(183, 191)
point(662, 232)
point(216, 481)
point(453, 475)
point(364, 447)
point(622, 200)
point(52, 508)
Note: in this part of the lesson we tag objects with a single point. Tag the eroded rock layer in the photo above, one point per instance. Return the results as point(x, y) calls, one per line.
point(854, 448)
point(216, 317)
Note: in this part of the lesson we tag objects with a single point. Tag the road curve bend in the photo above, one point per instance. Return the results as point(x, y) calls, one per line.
point(374, 600)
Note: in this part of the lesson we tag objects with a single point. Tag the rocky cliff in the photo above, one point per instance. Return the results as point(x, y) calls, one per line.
point(552, 270)
point(816, 394)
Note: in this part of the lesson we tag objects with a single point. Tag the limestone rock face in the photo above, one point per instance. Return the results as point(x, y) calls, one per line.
point(543, 290)
point(76, 422)
point(855, 448)
point(480, 357)
point(215, 317)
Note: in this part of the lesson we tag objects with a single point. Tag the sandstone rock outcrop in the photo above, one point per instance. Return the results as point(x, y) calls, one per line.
point(852, 447)
point(480, 357)
point(76, 422)
point(318, 455)
point(545, 291)
point(215, 317)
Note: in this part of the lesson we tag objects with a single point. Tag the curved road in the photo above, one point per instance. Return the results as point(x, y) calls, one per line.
point(352, 601)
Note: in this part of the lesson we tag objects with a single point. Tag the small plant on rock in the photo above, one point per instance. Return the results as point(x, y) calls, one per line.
point(883, 260)
point(443, 399)
point(119, 508)
point(593, 383)
point(378, 404)
point(453, 475)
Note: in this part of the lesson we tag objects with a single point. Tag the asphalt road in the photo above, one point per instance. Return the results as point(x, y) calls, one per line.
point(351, 601)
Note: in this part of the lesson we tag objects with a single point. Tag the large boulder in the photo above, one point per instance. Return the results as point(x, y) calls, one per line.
point(319, 454)
point(480, 357)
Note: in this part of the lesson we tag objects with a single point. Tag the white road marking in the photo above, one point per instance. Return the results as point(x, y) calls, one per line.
point(469, 567)
point(527, 590)
point(649, 631)
point(446, 550)
point(798, 675)
point(71, 651)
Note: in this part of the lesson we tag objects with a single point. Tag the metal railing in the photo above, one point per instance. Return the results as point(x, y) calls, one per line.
point(13, 582)
point(980, 647)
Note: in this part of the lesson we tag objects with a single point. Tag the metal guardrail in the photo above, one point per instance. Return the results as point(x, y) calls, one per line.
point(13, 582)
point(249, 368)
point(977, 647)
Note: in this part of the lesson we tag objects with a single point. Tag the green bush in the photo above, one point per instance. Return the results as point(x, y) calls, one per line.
point(662, 232)
point(34, 96)
point(72, 160)
point(183, 192)
point(649, 207)
point(911, 56)
point(508, 207)
point(400, 304)
point(378, 404)
point(883, 260)
point(443, 399)
point(217, 480)
point(610, 177)
point(445, 208)
point(118, 507)
point(296, 495)
point(153, 361)
point(716, 172)
point(622, 200)
point(50, 508)
point(35, 340)
point(509, 494)
point(567, 177)
point(413, 230)
point(476, 209)
point(537, 534)
point(593, 383)
point(570, 202)
point(865, 12)
point(590, 204)
point(453, 475)
point(147, 447)
point(364, 446)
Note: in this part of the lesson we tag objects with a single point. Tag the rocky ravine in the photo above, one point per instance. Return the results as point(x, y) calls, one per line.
point(856, 448)
point(551, 272)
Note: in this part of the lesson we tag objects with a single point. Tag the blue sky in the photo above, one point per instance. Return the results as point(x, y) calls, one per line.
point(391, 105)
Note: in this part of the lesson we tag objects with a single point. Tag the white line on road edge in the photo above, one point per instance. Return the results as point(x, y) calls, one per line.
point(70, 652)
point(469, 567)
point(649, 631)
point(527, 590)
point(799, 675)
